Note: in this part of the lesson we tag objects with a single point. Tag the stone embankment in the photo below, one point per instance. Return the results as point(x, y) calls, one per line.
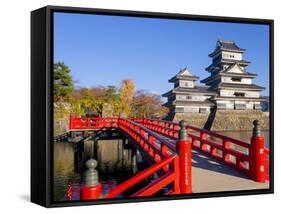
point(61, 126)
point(227, 120)
point(194, 119)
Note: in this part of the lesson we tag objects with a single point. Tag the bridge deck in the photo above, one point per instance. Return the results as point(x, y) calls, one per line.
point(210, 175)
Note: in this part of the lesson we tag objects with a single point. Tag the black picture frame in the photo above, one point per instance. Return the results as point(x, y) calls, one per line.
point(42, 111)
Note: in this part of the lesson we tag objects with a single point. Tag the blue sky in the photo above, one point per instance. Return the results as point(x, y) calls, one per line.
point(104, 50)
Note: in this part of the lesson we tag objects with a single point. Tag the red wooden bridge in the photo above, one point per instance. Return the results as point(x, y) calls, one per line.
point(188, 159)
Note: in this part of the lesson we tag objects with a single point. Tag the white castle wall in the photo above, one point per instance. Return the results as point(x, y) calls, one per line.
point(192, 109)
point(243, 80)
point(229, 104)
point(230, 93)
point(186, 83)
point(192, 97)
point(231, 55)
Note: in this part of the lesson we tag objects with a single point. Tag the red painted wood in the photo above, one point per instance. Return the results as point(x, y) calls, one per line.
point(90, 192)
point(156, 185)
point(202, 140)
point(185, 165)
point(257, 159)
point(139, 177)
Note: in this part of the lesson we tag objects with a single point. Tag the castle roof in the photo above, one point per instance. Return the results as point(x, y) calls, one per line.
point(242, 73)
point(224, 45)
point(243, 63)
point(230, 71)
point(195, 90)
point(240, 86)
point(184, 74)
point(189, 102)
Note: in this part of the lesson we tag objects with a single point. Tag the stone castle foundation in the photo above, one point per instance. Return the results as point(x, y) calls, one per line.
point(226, 120)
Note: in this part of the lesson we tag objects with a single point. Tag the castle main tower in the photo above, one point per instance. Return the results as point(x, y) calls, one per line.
point(230, 80)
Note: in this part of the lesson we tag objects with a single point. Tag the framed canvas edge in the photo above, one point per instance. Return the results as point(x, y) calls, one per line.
point(49, 110)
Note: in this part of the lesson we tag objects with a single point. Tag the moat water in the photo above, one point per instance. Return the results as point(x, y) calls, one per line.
point(246, 135)
point(117, 160)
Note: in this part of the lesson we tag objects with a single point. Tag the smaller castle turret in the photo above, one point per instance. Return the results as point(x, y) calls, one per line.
point(186, 97)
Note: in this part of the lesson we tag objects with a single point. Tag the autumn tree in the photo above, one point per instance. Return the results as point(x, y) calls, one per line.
point(126, 96)
point(148, 105)
point(63, 83)
point(98, 92)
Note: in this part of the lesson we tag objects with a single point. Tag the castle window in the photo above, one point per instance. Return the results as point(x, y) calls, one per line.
point(189, 97)
point(240, 106)
point(238, 94)
point(203, 110)
point(221, 106)
point(257, 106)
point(180, 97)
point(236, 79)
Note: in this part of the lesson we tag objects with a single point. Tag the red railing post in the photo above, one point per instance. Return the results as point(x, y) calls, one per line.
point(257, 154)
point(184, 152)
point(91, 189)
point(203, 136)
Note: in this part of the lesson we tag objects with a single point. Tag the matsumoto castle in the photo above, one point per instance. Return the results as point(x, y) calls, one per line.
point(228, 87)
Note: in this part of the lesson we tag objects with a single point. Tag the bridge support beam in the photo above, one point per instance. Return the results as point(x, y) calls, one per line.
point(257, 154)
point(184, 152)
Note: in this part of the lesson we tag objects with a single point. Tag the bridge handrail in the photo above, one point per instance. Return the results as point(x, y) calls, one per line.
point(76, 123)
point(203, 131)
point(159, 138)
point(214, 134)
point(143, 175)
point(223, 150)
point(154, 153)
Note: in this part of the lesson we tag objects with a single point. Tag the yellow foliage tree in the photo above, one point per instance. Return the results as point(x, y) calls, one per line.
point(126, 96)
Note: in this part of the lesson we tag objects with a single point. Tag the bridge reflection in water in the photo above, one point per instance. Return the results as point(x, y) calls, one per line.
point(117, 160)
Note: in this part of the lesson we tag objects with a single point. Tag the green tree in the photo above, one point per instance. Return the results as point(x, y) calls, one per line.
point(76, 108)
point(63, 83)
point(113, 99)
point(111, 94)
point(85, 103)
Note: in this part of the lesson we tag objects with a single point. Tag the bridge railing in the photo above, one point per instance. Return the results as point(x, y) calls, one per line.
point(165, 156)
point(79, 123)
point(147, 138)
point(266, 169)
point(174, 162)
point(238, 154)
point(172, 176)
